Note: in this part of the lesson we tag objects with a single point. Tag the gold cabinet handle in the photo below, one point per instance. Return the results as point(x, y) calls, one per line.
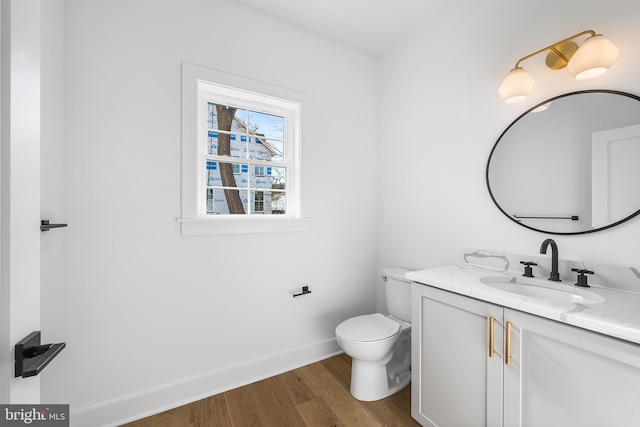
point(492, 321)
point(507, 346)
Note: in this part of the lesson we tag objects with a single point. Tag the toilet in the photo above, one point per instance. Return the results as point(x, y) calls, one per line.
point(379, 345)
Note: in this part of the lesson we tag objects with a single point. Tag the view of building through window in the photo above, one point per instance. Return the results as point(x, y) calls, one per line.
point(244, 162)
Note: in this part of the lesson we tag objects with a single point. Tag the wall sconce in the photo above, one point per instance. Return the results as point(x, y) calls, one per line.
point(590, 60)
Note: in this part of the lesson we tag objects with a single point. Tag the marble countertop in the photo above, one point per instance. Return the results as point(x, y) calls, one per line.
point(618, 315)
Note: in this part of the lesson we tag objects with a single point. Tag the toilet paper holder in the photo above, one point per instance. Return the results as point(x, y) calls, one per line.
point(305, 290)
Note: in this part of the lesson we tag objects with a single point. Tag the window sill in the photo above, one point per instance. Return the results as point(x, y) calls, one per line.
point(242, 225)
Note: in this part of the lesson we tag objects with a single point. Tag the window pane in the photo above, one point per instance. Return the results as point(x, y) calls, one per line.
point(276, 149)
point(266, 149)
point(278, 202)
point(268, 202)
point(226, 201)
point(219, 118)
point(258, 149)
point(222, 174)
point(260, 177)
point(225, 144)
point(277, 177)
point(266, 125)
point(210, 200)
point(213, 174)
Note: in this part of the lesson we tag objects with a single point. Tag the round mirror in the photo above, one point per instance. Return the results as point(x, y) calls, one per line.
point(571, 164)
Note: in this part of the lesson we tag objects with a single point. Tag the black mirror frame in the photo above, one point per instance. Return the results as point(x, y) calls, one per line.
point(614, 92)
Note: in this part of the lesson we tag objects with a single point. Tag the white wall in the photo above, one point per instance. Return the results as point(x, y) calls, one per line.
point(444, 79)
point(151, 315)
point(154, 318)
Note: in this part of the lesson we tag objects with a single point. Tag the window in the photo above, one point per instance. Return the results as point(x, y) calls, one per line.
point(241, 160)
point(258, 203)
point(243, 139)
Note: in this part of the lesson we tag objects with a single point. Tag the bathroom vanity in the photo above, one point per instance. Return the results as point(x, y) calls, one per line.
point(493, 348)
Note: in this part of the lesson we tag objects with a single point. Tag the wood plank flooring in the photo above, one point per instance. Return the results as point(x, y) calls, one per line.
point(314, 395)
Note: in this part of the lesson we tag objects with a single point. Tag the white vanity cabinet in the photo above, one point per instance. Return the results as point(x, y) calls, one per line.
point(454, 379)
point(556, 375)
point(561, 375)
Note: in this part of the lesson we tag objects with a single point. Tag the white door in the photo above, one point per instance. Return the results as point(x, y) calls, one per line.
point(20, 191)
point(615, 174)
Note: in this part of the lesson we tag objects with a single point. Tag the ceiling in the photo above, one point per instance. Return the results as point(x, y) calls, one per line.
point(372, 26)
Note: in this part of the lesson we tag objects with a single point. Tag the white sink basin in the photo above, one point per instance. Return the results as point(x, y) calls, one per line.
point(536, 288)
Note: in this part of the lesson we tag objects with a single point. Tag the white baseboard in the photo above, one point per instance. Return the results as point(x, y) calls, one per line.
point(150, 402)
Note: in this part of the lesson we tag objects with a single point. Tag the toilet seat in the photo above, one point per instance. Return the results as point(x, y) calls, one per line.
point(368, 328)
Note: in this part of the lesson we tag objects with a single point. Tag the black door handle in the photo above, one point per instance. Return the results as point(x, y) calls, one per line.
point(46, 226)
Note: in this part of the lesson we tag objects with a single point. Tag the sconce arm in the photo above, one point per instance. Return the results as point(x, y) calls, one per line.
point(551, 47)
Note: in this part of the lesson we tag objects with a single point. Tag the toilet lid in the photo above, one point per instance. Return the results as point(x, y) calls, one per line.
point(370, 327)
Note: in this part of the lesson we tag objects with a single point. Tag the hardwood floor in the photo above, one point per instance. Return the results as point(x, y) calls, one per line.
point(314, 395)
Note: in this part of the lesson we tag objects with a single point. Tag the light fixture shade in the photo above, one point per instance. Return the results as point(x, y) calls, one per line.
point(516, 86)
point(593, 58)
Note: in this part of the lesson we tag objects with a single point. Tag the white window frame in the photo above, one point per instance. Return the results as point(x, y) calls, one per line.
point(213, 93)
point(197, 85)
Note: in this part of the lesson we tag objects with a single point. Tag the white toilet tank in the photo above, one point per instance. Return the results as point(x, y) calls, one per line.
point(398, 292)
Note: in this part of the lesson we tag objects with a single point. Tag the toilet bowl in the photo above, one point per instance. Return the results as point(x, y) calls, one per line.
point(379, 345)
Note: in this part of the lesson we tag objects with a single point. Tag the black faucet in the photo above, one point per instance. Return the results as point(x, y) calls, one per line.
point(554, 275)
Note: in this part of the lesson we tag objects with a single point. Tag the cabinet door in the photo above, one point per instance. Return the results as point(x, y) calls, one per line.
point(454, 380)
point(564, 376)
